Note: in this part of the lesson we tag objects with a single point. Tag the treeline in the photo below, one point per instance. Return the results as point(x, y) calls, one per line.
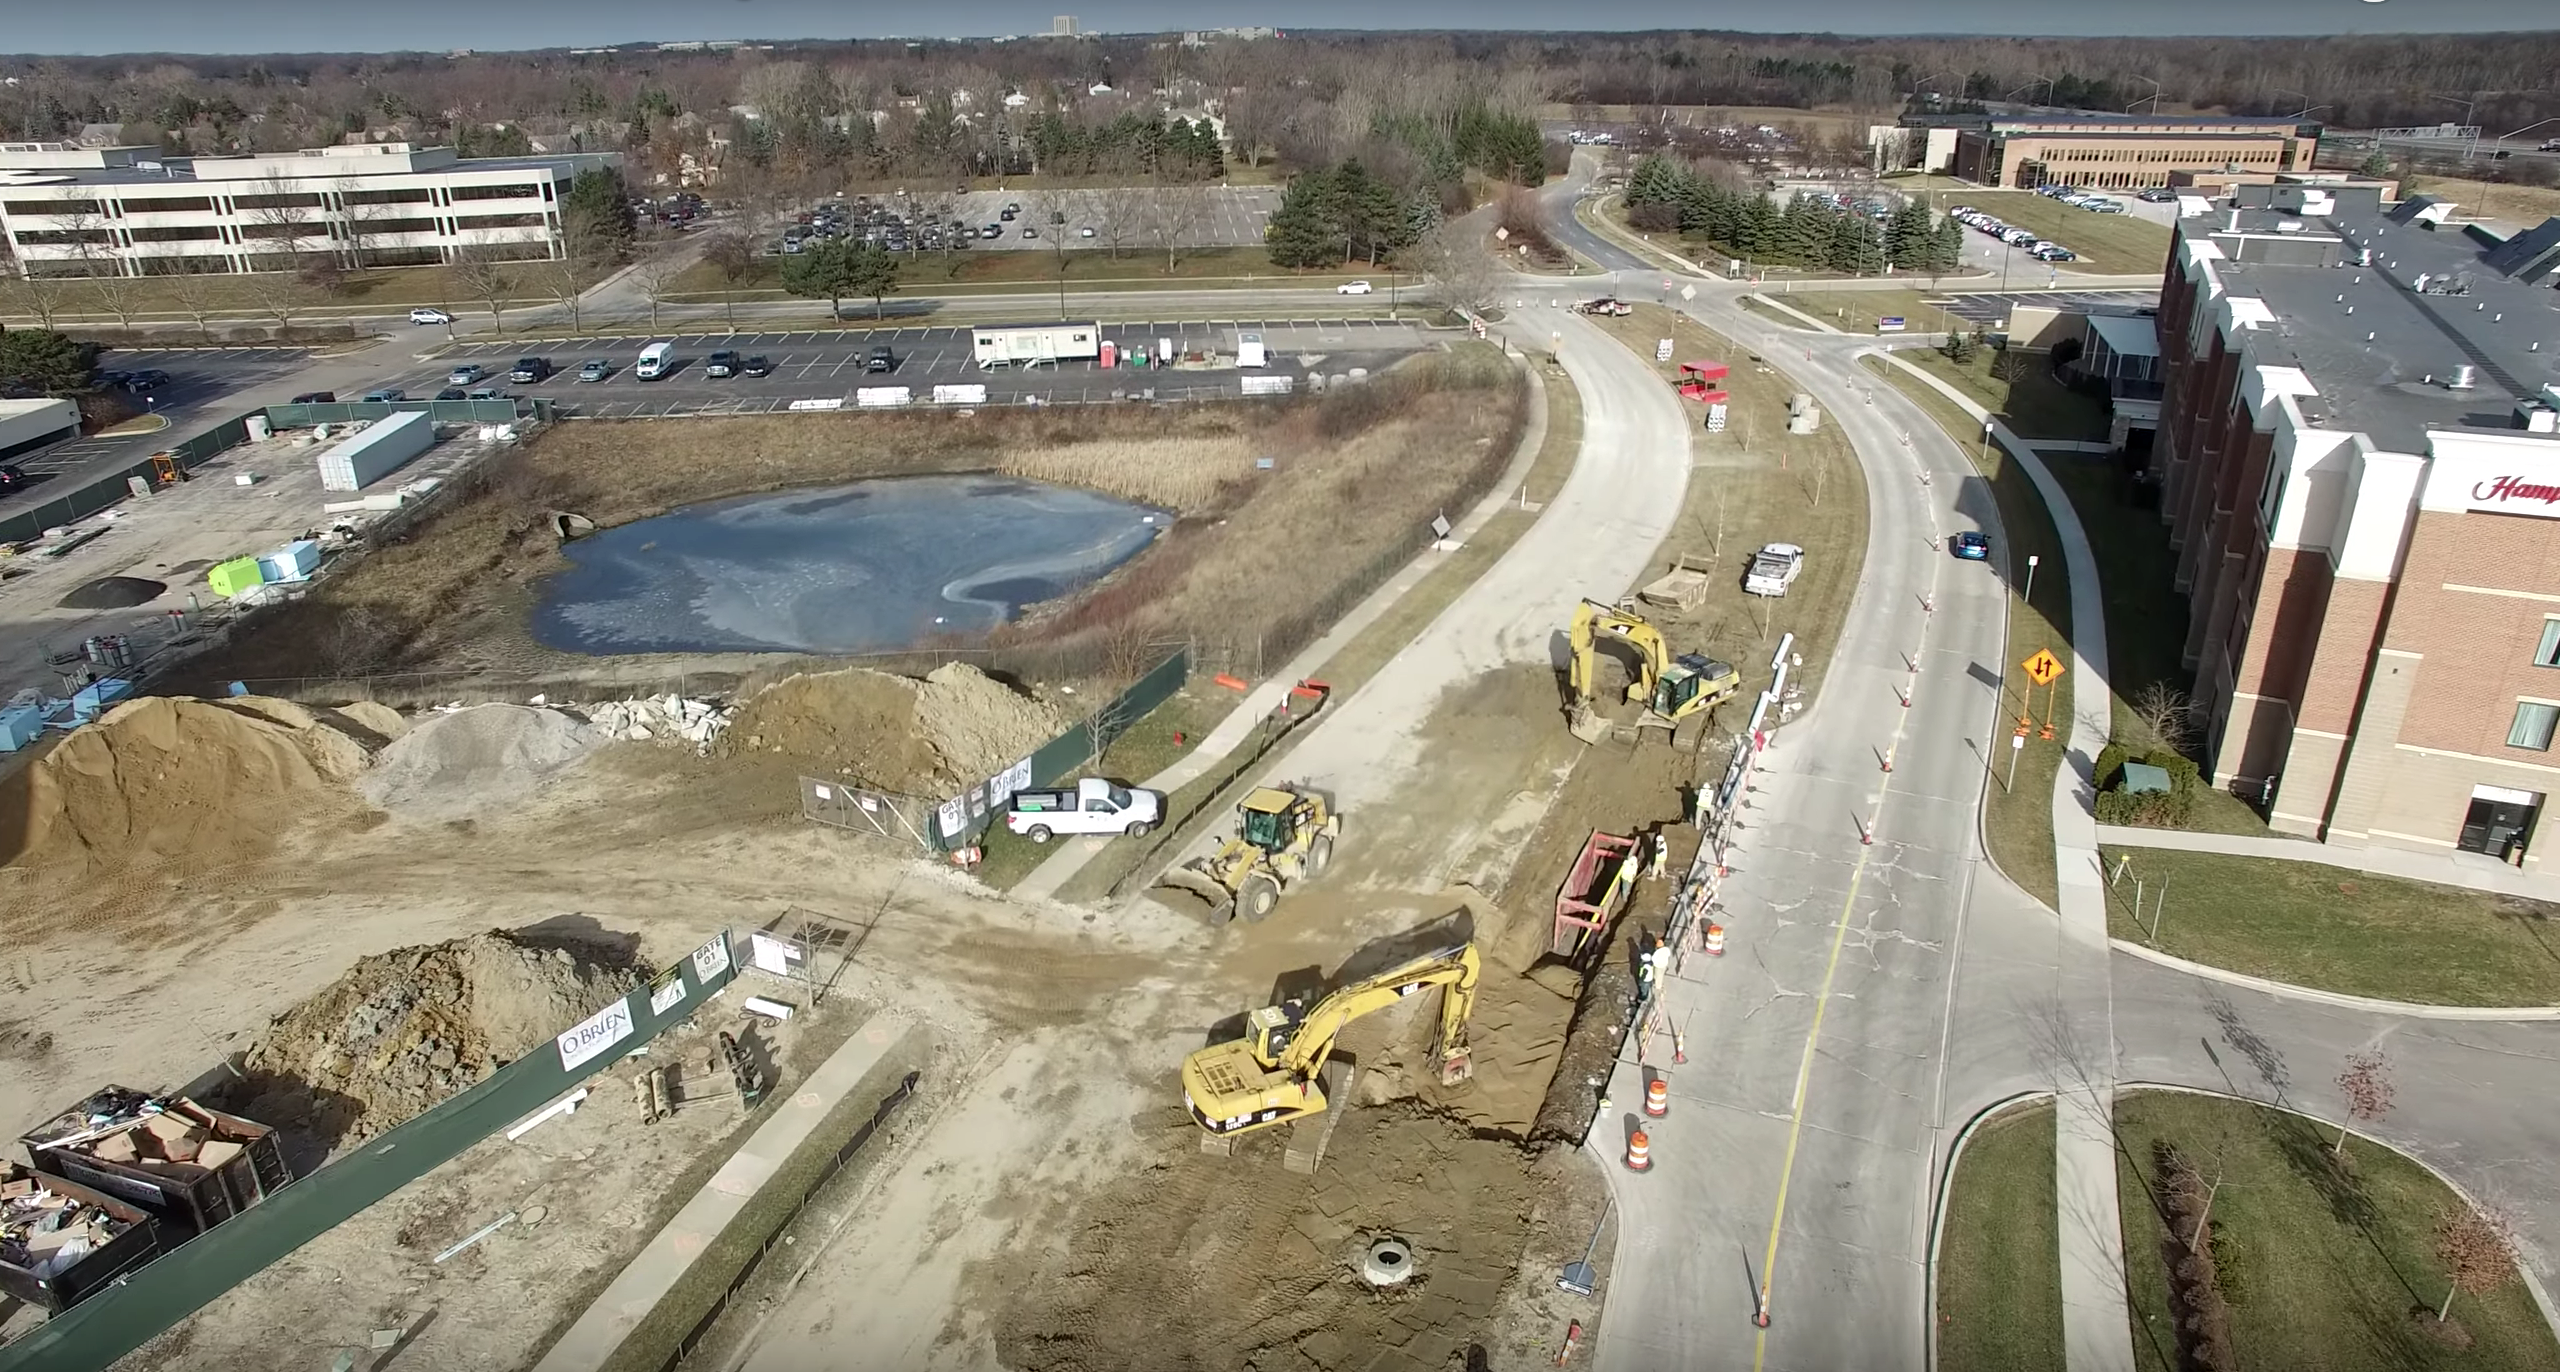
point(1179, 150)
point(1807, 231)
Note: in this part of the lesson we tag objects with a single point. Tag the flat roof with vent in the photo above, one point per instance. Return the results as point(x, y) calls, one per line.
point(2431, 303)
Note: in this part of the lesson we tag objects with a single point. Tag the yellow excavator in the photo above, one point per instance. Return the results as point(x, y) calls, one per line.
point(1671, 689)
point(1273, 1074)
point(1284, 835)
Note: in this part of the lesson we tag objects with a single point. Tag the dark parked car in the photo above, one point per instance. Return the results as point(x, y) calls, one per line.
point(529, 370)
point(316, 398)
point(1971, 546)
point(757, 365)
point(881, 359)
point(150, 379)
point(451, 393)
point(721, 363)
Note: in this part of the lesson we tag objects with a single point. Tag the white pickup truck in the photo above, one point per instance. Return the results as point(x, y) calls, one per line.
point(1091, 806)
point(1773, 569)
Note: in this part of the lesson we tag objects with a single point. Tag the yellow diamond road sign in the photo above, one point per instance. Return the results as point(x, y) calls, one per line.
point(2043, 667)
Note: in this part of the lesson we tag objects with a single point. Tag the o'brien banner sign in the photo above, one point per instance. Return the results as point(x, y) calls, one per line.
point(2517, 495)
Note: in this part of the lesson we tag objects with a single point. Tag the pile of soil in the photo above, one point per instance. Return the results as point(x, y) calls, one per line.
point(894, 733)
point(171, 779)
point(405, 1029)
point(1265, 1262)
point(459, 762)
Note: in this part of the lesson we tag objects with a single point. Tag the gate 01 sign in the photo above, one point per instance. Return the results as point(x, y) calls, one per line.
point(601, 1031)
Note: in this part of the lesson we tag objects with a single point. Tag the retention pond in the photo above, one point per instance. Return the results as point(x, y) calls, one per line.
point(868, 567)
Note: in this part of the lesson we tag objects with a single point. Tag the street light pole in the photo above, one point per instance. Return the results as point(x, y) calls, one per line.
point(2031, 557)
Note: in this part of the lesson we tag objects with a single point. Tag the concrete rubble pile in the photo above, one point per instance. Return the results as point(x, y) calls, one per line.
point(47, 1233)
point(666, 718)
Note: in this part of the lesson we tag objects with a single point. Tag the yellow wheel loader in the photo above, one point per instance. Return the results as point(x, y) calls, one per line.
point(1670, 689)
point(1274, 1074)
point(1284, 835)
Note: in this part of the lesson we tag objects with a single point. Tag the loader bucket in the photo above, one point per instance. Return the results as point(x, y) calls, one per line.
point(1222, 902)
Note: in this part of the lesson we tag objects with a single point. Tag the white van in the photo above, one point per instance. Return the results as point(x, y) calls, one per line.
point(654, 361)
point(1249, 350)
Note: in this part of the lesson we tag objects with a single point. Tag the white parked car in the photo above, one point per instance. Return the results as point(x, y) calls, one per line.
point(426, 315)
point(1355, 288)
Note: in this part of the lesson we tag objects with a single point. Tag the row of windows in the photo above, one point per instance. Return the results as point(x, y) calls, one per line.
point(200, 204)
point(2268, 157)
point(530, 191)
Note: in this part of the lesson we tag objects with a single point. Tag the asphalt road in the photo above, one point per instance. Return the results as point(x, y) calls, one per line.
point(811, 365)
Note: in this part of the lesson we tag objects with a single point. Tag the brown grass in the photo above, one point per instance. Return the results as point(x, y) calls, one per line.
point(1256, 562)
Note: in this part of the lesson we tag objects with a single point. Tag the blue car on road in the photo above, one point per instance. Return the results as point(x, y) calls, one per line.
point(1971, 547)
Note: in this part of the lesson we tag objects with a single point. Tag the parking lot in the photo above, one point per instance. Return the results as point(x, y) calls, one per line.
point(1209, 216)
point(197, 378)
point(820, 366)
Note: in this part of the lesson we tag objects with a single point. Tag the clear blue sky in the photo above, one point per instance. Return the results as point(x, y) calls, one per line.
point(50, 26)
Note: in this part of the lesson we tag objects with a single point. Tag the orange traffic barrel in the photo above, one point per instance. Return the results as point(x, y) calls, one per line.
point(1657, 1098)
point(1639, 1154)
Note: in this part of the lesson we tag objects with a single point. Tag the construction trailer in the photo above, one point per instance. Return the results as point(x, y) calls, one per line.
point(29, 426)
point(1017, 345)
point(384, 447)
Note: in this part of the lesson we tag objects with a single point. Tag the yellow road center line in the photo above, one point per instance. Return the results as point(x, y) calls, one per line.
point(1804, 1069)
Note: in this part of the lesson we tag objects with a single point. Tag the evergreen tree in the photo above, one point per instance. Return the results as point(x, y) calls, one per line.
point(1847, 249)
point(1946, 246)
point(1906, 235)
point(1803, 234)
point(830, 271)
point(1301, 232)
point(1366, 212)
point(1657, 180)
point(598, 198)
point(1756, 231)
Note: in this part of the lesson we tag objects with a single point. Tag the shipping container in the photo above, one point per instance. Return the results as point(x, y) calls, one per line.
point(20, 727)
point(295, 561)
point(119, 1238)
point(384, 447)
point(189, 1165)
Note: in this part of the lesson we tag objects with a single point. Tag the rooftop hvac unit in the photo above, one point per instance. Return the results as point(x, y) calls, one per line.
point(2534, 417)
point(2461, 378)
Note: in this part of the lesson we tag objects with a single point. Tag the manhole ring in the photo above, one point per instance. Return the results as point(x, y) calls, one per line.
point(1388, 1262)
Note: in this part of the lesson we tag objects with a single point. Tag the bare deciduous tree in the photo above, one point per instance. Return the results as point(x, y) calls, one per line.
point(1173, 213)
point(197, 295)
point(121, 295)
point(481, 274)
point(1457, 266)
point(358, 221)
point(2165, 712)
point(37, 297)
point(2367, 1084)
point(280, 296)
point(282, 219)
point(655, 276)
point(1119, 212)
point(2478, 1249)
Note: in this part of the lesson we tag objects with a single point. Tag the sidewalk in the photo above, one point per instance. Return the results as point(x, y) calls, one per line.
point(600, 1330)
point(1267, 695)
point(2475, 871)
point(2097, 1326)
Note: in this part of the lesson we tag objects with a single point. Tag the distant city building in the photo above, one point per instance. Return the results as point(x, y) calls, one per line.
point(1064, 26)
point(2358, 460)
point(1201, 38)
point(71, 211)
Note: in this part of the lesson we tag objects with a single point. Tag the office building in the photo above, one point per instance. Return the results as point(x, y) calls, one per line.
point(2102, 151)
point(2360, 471)
point(78, 211)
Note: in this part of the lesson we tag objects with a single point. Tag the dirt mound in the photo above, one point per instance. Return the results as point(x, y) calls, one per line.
point(381, 719)
point(171, 779)
point(917, 737)
point(456, 763)
point(1265, 1261)
point(405, 1029)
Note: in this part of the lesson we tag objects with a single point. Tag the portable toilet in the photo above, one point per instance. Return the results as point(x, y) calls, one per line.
point(1110, 354)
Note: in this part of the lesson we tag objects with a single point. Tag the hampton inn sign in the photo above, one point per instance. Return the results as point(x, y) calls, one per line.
point(2516, 495)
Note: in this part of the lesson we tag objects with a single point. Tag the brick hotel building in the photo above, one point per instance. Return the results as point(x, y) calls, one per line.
point(2361, 475)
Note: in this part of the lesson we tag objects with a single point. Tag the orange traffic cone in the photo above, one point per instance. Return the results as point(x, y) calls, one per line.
point(1657, 1098)
point(1639, 1152)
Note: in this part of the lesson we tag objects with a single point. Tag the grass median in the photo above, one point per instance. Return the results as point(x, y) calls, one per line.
point(1370, 649)
point(1999, 1259)
point(2338, 929)
point(2018, 823)
point(2322, 1260)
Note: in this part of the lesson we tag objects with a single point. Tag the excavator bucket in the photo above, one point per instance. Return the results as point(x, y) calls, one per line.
point(1588, 724)
point(1457, 1065)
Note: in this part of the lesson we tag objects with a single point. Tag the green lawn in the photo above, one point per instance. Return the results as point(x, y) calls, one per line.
point(2329, 1265)
point(2020, 818)
point(2108, 244)
point(924, 273)
point(2338, 929)
point(1999, 1250)
point(2021, 391)
point(1858, 311)
point(249, 293)
point(1142, 750)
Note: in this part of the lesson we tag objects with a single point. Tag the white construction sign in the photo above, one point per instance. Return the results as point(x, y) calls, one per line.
point(1267, 385)
point(960, 395)
point(883, 397)
point(590, 1040)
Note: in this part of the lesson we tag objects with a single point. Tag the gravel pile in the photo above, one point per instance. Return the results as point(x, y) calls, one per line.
point(455, 763)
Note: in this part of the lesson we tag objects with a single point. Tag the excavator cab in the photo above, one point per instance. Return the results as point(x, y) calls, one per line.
point(1692, 681)
point(1272, 1027)
point(1270, 819)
